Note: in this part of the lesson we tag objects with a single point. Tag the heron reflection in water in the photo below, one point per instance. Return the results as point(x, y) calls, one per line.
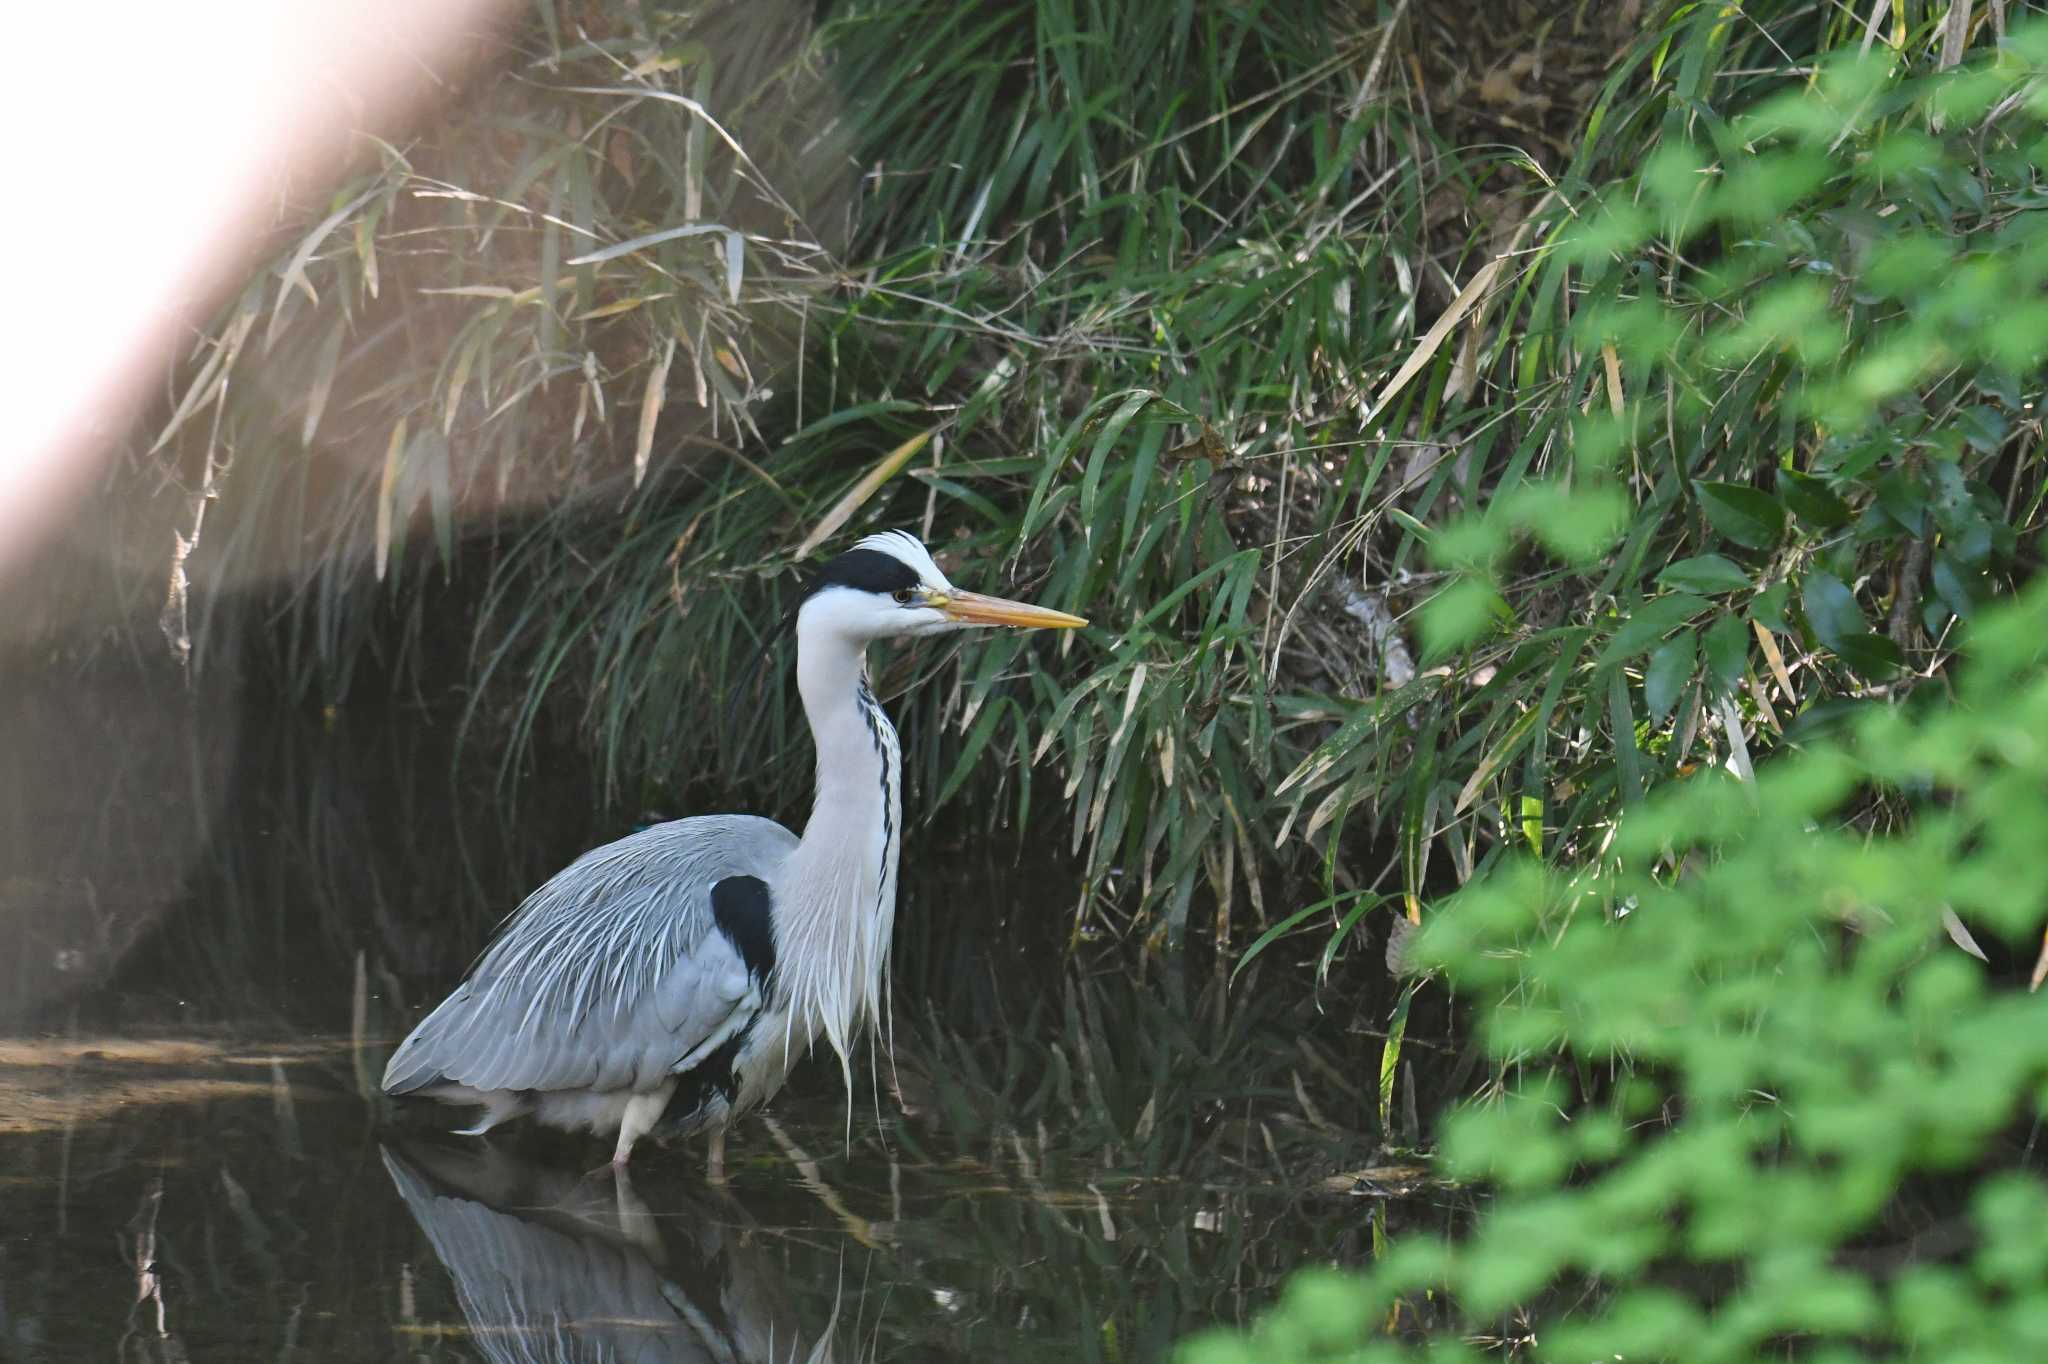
point(551, 1267)
point(687, 968)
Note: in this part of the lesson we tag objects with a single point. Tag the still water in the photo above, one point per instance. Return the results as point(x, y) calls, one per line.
point(1053, 1160)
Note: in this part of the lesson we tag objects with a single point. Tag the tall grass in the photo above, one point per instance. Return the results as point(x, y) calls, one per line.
point(1221, 341)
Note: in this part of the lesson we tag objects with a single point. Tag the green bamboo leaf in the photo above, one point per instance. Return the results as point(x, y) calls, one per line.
point(1704, 573)
point(1812, 501)
point(1650, 622)
point(1953, 587)
point(1746, 516)
point(1390, 1058)
point(1670, 669)
point(1831, 609)
point(1510, 744)
point(1627, 756)
point(977, 740)
point(1870, 654)
point(430, 447)
point(1274, 934)
point(1105, 441)
point(1727, 650)
point(1366, 902)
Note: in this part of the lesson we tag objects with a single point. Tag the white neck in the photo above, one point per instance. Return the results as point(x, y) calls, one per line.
point(839, 887)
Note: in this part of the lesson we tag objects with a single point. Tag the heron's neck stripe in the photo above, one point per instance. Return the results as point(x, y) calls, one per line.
point(884, 735)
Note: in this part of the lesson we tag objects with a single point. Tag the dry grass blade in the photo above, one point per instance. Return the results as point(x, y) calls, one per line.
point(211, 381)
point(323, 382)
point(843, 510)
point(1776, 660)
point(641, 243)
point(1960, 935)
point(1426, 348)
point(1955, 34)
point(1369, 87)
point(650, 411)
point(1738, 747)
point(760, 180)
point(1494, 761)
point(387, 490)
point(294, 275)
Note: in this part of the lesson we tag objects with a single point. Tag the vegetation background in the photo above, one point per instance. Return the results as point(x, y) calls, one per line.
point(1468, 425)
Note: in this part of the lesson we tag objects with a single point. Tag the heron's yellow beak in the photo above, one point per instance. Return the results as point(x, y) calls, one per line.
point(971, 608)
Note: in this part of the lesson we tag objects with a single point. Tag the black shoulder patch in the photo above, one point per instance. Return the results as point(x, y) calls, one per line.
point(741, 907)
point(868, 570)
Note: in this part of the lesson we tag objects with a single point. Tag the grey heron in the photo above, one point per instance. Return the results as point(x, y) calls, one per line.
point(691, 965)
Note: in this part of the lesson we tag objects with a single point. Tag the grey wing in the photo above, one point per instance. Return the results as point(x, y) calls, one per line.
point(611, 976)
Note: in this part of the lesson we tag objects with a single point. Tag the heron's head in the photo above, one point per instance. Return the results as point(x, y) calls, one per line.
point(887, 587)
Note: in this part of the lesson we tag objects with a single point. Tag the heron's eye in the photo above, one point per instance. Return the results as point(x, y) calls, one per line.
point(905, 596)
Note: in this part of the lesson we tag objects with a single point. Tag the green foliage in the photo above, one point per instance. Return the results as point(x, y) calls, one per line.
point(1739, 1067)
point(1763, 1040)
point(633, 324)
point(1792, 358)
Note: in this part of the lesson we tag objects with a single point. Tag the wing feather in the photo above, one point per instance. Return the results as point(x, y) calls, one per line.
point(611, 976)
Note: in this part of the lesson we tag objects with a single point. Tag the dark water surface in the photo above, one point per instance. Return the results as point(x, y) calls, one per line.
point(1061, 1161)
point(206, 1198)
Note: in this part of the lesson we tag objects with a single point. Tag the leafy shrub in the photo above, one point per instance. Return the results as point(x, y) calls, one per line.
point(1765, 1039)
point(1740, 1070)
point(1816, 325)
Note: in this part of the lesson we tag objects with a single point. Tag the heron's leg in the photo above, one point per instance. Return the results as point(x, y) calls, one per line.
point(642, 1112)
point(714, 1167)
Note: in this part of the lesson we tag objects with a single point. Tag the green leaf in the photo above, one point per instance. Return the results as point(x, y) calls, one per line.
point(1629, 758)
point(1831, 609)
point(1411, 525)
point(1812, 501)
point(1273, 934)
point(1953, 587)
point(1983, 427)
point(1704, 573)
point(1650, 622)
point(1870, 654)
point(1904, 499)
point(1727, 649)
point(1670, 669)
point(1460, 614)
point(1768, 606)
point(1743, 514)
point(1390, 1060)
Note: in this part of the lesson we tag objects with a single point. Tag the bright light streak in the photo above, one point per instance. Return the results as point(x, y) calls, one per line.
point(146, 153)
